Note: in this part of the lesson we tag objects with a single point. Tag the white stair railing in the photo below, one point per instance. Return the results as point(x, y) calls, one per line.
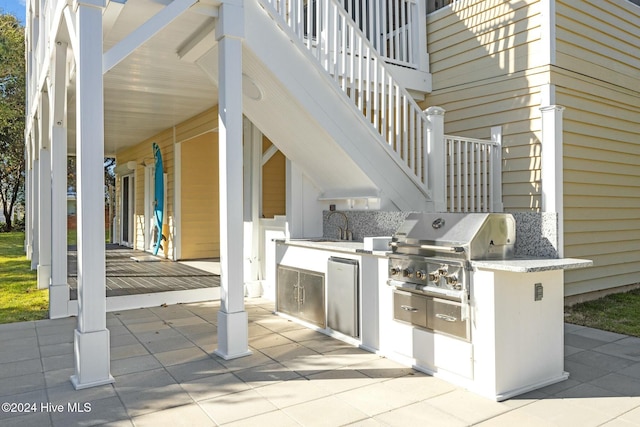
point(390, 26)
point(473, 173)
point(342, 49)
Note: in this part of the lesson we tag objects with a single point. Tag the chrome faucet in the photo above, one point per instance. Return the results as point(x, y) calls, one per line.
point(344, 234)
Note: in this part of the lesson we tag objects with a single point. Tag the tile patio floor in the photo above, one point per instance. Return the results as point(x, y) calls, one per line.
point(166, 375)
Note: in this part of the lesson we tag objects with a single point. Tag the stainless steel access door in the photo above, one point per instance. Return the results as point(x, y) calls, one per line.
point(342, 296)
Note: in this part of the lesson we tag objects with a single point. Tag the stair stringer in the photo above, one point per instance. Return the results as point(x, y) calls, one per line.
point(307, 116)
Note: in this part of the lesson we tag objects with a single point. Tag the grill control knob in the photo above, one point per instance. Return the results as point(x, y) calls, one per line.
point(452, 280)
point(394, 270)
point(407, 272)
point(443, 270)
point(420, 274)
point(434, 277)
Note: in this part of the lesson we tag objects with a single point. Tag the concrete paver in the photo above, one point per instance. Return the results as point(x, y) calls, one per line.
point(167, 375)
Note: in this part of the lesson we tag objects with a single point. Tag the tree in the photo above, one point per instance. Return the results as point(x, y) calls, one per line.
point(12, 114)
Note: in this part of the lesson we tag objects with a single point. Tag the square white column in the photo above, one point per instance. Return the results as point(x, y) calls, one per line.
point(59, 289)
point(91, 339)
point(232, 318)
point(44, 195)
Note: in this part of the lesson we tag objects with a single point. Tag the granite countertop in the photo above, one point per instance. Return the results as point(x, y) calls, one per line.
point(530, 265)
point(326, 244)
point(517, 265)
point(344, 246)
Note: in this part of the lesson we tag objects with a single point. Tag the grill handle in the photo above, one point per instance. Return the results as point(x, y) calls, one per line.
point(435, 248)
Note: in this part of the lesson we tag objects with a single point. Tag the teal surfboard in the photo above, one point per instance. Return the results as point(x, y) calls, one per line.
point(158, 202)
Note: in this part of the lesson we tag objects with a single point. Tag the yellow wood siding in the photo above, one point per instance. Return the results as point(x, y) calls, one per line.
point(273, 184)
point(200, 208)
point(598, 81)
point(485, 38)
point(601, 184)
point(488, 66)
point(487, 72)
point(601, 37)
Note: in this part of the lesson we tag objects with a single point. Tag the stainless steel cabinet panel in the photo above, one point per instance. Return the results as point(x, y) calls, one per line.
point(311, 290)
point(300, 293)
point(446, 317)
point(287, 291)
point(410, 308)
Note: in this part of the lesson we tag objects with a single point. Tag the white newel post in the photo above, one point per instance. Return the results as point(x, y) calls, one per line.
point(419, 33)
point(496, 170)
point(91, 341)
point(435, 158)
point(552, 167)
point(232, 318)
point(44, 197)
point(59, 290)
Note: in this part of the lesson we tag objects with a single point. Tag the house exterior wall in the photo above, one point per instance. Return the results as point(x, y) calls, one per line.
point(491, 66)
point(199, 185)
point(486, 72)
point(200, 210)
point(597, 79)
point(273, 183)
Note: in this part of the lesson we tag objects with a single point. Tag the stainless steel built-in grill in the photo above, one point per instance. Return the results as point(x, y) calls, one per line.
point(430, 265)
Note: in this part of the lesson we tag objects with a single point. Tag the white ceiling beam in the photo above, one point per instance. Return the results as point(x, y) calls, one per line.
point(143, 33)
point(199, 44)
point(110, 15)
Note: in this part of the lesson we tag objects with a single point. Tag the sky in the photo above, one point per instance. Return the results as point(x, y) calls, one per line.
point(14, 7)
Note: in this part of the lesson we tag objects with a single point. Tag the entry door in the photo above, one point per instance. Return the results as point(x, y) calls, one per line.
point(151, 232)
point(127, 230)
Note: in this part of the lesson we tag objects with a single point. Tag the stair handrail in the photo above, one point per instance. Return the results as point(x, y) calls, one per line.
point(341, 48)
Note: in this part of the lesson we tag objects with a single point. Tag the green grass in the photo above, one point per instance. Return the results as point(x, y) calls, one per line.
point(616, 313)
point(20, 300)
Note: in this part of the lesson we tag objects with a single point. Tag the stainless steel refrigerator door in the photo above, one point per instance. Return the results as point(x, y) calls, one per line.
point(342, 296)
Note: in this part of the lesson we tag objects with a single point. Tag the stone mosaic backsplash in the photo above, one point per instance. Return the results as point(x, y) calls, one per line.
point(536, 233)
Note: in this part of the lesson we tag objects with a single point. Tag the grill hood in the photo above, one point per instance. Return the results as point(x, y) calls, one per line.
point(470, 236)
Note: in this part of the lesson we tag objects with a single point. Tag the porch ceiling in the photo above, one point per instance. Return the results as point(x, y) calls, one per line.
point(152, 89)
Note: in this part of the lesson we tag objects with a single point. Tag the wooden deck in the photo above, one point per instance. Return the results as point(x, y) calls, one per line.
point(126, 276)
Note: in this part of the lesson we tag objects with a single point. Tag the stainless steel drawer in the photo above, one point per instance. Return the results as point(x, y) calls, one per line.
point(410, 308)
point(446, 317)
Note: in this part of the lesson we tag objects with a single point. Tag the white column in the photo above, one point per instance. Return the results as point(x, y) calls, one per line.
point(294, 201)
point(28, 172)
point(91, 342)
point(435, 158)
point(252, 147)
point(35, 179)
point(177, 200)
point(44, 196)
point(232, 318)
point(59, 290)
point(552, 167)
point(496, 204)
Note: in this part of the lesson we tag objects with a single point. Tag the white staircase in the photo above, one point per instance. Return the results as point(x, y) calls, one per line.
point(328, 100)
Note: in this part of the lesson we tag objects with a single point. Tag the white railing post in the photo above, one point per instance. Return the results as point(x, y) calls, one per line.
point(495, 192)
point(420, 54)
point(435, 158)
point(552, 166)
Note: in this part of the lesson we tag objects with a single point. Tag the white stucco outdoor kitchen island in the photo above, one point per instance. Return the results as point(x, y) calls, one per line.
point(514, 317)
